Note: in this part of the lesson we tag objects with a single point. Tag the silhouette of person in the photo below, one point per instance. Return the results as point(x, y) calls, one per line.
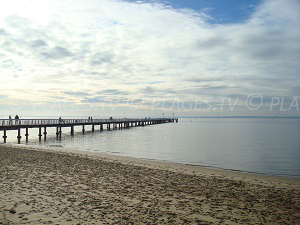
point(10, 120)
point(16, 119)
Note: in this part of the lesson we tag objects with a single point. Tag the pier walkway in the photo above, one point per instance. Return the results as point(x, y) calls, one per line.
point(14, 124)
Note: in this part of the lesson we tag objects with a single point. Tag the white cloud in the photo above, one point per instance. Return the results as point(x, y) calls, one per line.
point(92, 46)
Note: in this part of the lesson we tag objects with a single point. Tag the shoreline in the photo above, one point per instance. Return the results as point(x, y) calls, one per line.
point(184, 167)
point(60, 186)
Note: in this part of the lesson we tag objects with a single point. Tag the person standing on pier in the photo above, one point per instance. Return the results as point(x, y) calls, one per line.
point(10, 120)
point(16, 119)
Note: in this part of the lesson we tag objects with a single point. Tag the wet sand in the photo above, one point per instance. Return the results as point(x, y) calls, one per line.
point(48, 186)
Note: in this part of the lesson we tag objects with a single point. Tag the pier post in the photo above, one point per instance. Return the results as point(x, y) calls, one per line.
point(101, 127)
point(19, 135)
point(93, 128)
point(45, 133)
point(83, 129)
point(108, 126)
point(4, 136)
point(72, 130)
point(60, 132)
point(57, 132)
point(40, 133)
point(26, 134)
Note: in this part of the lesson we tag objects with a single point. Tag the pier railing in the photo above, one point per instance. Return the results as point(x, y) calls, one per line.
point(32, 122)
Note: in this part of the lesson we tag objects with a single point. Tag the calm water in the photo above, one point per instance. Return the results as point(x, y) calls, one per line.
point(269, 146)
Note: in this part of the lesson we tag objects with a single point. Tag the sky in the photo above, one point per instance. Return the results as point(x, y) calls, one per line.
point(148, 58)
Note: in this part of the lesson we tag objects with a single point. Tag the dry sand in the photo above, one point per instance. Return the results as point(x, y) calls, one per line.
point(54, 187)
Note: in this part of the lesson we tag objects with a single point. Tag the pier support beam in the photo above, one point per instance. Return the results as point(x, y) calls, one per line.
point(26, 134)
point(72, 130)
point(40, 133)
point(93, 128)
point(45, 133)
point(57, 132)
point(4, 136)
point(83, 130)
point(101, 127)
point(19, 136)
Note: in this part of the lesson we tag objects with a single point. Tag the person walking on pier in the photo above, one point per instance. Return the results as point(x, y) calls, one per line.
point(10, 120)
point(16, 119)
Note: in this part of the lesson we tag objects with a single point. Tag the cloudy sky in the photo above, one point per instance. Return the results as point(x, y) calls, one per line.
point(145, 58)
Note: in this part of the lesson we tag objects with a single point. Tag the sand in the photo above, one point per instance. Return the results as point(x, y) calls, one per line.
point(48, 186)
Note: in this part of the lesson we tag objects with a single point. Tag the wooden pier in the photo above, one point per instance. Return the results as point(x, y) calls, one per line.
point(43, 124)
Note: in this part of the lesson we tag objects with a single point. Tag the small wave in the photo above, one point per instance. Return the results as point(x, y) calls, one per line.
point(57, 146)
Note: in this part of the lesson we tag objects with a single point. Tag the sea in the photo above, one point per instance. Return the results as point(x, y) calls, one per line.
point(269, 146)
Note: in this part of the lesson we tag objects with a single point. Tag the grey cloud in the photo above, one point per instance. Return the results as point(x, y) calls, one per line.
point(148, 90)
point(213, 87)
point(100, 58)
point(3, 32)
point(38, 44)
point(113, 92)
point(158, 91)
point(93, 100)
point(10, 64)
point(213, 42)
point(76, 93)
point(204, 79)
point(56, 53)
point(205, 90)
point(107, 100)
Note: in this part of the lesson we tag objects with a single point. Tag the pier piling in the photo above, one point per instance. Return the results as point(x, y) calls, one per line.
point(45, 133)
point(40, 133)
point(57, 132)
point(4, 136)
point(19, 135)
point(26, 134)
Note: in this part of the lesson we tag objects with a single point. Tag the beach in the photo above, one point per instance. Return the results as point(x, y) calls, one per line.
point(56, 186)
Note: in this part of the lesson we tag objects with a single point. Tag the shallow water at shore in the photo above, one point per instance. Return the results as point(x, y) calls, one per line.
point(268, 146)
